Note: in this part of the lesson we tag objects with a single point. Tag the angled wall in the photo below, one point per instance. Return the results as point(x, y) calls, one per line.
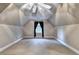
point(10, 16)
point(49, 30)
point(10, 29)
point(69, 36)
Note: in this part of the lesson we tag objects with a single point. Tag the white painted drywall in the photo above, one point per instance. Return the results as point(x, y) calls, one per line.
point(10, 16)
point(69, 35)
point(9, 34)
point(49, 30)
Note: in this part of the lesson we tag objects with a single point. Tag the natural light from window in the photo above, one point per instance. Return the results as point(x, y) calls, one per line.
point(38, 29)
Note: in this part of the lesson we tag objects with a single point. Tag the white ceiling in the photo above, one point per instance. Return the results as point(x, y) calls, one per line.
point(58, 14)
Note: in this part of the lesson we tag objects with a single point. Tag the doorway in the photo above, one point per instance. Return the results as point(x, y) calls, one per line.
point(38, 29)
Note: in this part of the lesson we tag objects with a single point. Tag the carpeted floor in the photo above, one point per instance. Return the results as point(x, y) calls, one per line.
point(38, 47)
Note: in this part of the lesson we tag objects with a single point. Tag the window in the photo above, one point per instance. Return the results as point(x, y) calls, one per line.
point(38, 29)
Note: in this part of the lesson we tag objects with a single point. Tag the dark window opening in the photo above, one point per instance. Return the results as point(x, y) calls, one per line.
point(38, 28)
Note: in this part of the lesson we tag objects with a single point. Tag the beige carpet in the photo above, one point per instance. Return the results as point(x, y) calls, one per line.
point(38, 47)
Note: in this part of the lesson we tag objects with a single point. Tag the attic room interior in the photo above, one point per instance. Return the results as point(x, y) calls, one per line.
point(39, 28)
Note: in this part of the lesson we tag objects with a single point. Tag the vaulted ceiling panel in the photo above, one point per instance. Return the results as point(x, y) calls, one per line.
point(56, 14)
point(66, 14)
point(10, 16)
point(3, 6)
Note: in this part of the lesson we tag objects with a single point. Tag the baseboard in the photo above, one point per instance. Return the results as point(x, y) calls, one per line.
point(73, 49)
point(9, 45)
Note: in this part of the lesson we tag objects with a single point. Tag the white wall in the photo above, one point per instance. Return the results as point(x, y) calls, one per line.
point(49, 30)
point(23, 19)
point(69, 35)
point(10, 29)
point(28, 30)
point(67, 14)
point(9, 34)
point(72, 35)
point(10, 16)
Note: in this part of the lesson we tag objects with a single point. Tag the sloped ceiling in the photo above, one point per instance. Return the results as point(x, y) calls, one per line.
point(10, 16)
point(19, 5)
point(44, 11)
point(65, 14)
point(61, 14)
point(3, 6)
point(41, 12)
